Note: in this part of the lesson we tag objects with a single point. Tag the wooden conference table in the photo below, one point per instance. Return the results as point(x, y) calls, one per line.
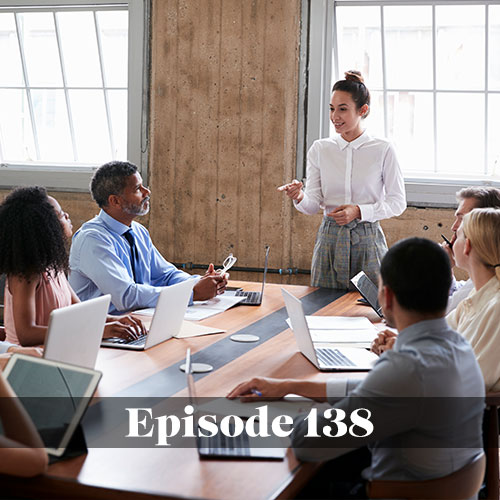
point(141, 473)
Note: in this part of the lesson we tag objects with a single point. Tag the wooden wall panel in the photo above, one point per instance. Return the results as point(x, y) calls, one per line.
point(228, 183)
point(163, 125)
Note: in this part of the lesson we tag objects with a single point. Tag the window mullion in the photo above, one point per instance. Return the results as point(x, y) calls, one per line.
point(434, 84)
point(335, 44)
point(106, 101)
point(384, 73)
point(65, 84)
point(26, 87)
point(486, 86)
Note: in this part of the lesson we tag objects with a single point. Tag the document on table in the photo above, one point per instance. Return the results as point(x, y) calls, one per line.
point(190, 329)
point(206, 308)
point(202, 309)
point(341, 330)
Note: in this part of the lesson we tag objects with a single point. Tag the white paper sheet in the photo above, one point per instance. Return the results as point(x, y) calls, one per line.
point(204, 309)
point(190, 329)
point(341, 329)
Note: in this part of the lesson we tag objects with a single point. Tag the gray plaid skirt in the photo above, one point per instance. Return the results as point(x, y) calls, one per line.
point(341, 252)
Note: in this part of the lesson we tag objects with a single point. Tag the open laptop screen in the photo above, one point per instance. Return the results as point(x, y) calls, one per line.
point(54, 394)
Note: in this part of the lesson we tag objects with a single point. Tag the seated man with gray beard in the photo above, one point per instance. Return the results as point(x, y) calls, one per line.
point(114, 254)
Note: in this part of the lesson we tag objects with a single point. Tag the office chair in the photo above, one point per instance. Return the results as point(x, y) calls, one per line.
point(462, 484)
point(492, 477)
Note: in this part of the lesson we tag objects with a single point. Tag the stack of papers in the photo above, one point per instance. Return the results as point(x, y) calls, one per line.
point(202, 309)
point(206, 308)
point(341, 330)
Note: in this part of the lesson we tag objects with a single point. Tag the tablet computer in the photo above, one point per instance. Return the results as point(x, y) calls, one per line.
point(54, 394)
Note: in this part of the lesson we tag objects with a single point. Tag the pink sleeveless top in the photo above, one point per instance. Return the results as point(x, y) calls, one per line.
point(51, 293)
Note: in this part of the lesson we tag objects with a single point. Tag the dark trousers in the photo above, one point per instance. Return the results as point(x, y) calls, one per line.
point(339, 478)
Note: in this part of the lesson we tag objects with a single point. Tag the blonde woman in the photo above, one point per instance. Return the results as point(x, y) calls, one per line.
point(477, 318)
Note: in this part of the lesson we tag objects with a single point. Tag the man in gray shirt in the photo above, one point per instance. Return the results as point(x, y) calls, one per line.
point(425, 396)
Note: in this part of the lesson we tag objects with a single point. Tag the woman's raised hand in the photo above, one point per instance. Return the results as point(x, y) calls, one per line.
point(293, 190)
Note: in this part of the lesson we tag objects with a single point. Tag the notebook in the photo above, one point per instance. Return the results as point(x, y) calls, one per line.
point(54, 394)
point(167, 319)
point(254, 298)
point(221, 446)
point(75, 332)
point(324, 358)
point(368, 290)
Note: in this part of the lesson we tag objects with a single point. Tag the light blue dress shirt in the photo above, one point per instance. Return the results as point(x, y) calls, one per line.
point(100, 264)
point(429, 362)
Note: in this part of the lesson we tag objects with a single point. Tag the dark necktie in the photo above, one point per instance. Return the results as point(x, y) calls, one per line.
point(134, 255)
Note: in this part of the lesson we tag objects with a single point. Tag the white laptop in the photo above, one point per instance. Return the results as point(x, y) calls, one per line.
point(324, 358)
point(54, 394)
point(254, 298)
point(221, 446)
point(167, 319)
point(75, 332)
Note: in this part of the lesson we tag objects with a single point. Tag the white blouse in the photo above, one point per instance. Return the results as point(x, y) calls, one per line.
point(364, 172)
point(477, 318)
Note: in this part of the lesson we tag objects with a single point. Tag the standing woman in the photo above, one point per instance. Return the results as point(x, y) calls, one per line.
point(356, 179)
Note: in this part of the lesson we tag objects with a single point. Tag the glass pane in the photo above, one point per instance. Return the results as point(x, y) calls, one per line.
point(16, 133)
point(460, 47)
point(113, 30)
point(117, 100)
point(90, 125)
point(359, 43)
point(460, 148)
point(494, 134)
point(411, 129)
point(494, 48)
point(79, 49)
point(51, 118)
point(408, 30)
point(375, 120)
point(38, 36)
point(11, 71)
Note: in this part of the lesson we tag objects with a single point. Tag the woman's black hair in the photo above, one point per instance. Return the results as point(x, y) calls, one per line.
point(32, 239)
point(354, 84)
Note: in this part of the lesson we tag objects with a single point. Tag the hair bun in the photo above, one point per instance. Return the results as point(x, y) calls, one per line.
point(354, 76)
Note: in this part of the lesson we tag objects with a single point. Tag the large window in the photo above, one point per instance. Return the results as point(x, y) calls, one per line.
point(433, 69)
point(66, 89)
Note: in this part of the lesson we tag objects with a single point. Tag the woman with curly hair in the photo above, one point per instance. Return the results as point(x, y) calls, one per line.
point(34, 237)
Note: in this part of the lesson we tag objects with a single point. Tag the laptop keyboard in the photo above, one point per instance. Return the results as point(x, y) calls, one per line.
point(227, 446)
point(251, 297)
point(333, 357)
point(138, 341)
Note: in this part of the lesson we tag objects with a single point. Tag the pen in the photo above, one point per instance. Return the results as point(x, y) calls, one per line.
point(448, 242)
point(256, 392)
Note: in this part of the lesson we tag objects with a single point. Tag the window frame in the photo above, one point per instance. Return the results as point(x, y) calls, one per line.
point(315, 72)
point(76, 178)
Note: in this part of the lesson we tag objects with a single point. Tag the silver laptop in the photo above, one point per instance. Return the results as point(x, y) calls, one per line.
point(254, 298)
point(75, 332)
point(221, 446)
point(368, 290)
point(54, 394)
point(167, 319)
point(324, 358)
